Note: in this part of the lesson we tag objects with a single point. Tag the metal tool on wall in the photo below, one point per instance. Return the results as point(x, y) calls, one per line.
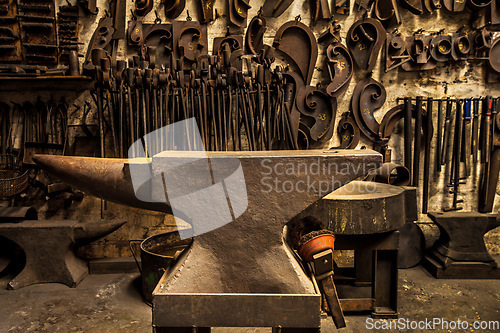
point(207, 10)
point(396, 51)
point(235, 109)
point(101, 39)
point(297, 41)
point(387, 12)
point(320, 10)
point(414, 6)
point(455, 171)
point(238, 11)
point(368, 96)
point(67, 30)
point(454, 5)
point(89, 6)
point(464, 134)
point(491, 148)
point(38, 32)
point(10, 37)
point(348, 132)
point(274, 8)
point(364, 40)
point(173, 8)
point(254, 38)
point(418, 46)
point(340, 65)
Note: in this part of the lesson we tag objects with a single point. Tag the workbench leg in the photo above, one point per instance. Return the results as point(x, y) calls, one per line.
point(295, 330)
point(385, 283)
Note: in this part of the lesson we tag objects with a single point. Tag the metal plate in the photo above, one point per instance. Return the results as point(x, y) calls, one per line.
point(364, 40)
point(340, 68)
point(298, 42)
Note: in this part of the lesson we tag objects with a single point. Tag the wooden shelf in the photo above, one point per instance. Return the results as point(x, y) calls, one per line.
point(23, 83)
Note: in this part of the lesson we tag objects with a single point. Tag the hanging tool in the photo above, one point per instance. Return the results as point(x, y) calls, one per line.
point(427, 157)
point(274, 8)
point(439, 135)
point(455, 177)
point(364, 40)
point(408, 134)
point(475, 131)
point(417, 143)
point(298, 42)
point(447, 133)
point(320, 10)
point(489, 180)
point(466, 137)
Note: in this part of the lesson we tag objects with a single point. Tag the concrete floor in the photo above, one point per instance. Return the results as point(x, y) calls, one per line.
point(112, 303)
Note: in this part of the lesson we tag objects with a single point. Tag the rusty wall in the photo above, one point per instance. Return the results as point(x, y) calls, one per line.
point(461, 79)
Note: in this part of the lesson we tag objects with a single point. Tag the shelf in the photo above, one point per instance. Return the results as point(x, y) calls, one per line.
point(23, 83)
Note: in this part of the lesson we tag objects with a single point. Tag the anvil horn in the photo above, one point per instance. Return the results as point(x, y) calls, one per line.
point(106, 178)
point(92, 231)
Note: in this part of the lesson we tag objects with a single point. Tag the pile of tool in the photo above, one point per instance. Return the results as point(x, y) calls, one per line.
point(388, 11)
point(424, 51)
point(37, 21)
point(67, 30)
point(28, 43)
point(239, 102)
point(468, 133)
point(251, 109)
point(33, 128)
point(10, 42)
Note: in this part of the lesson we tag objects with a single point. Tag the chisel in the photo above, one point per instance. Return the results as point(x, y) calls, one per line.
point(439, 135)
point(475, 129)
point(466, 137)
point(447, 133)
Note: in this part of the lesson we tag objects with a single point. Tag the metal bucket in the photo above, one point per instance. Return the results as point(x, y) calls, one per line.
point(158, 253)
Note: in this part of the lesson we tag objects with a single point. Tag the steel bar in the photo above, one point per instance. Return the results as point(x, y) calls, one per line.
point(439, 135)
point(407, 134)
point(475, 131)
point(417, 143)
point(447, 133)
point(456, 154)
point(427, 157)
point(466, 137)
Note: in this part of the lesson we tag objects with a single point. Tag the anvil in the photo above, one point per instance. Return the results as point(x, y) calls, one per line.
point(49, 249)
point(242, 273)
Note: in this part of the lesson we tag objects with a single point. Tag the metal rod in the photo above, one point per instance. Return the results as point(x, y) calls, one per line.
point(417, 142)
point(407, 133)
point(427, 157)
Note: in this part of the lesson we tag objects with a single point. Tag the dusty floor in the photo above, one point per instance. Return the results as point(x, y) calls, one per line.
point(112, 303)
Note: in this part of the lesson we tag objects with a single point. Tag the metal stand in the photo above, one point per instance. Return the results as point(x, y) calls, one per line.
point(373, 286)
point(364, 217)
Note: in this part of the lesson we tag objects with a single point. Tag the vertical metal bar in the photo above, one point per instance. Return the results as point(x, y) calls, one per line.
point(427, 157)
point(456, 152)
point(417, 142)
point(447, 133)
point(407, 133)
point(475, 130)
point(439, 135)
